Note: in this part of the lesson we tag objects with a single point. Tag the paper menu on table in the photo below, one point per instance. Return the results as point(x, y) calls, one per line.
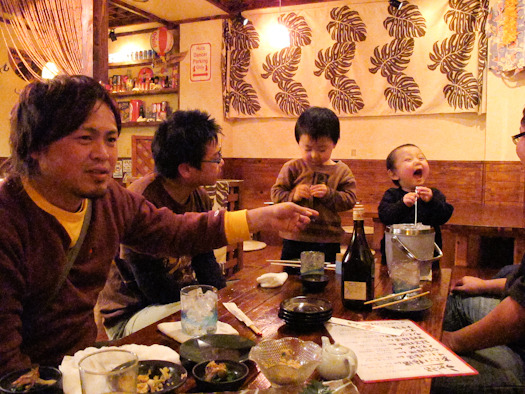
point(414, 354)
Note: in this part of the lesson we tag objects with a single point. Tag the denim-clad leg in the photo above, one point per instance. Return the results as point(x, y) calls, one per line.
point(501, 369)
point(462, 311)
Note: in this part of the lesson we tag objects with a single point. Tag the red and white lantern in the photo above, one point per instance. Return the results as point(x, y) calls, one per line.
point(161, 41)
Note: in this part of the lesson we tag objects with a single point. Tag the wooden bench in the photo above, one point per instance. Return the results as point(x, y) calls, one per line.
point(471, 222)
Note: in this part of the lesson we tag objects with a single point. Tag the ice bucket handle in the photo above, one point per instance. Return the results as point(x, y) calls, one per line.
point(396, 241)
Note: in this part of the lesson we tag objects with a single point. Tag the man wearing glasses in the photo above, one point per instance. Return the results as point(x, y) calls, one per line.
point(485, 323)
point(142, 289)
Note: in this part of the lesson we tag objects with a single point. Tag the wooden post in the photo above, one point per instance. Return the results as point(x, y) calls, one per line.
point(95, 27)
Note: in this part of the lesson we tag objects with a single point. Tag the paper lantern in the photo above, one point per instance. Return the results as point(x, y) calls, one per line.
point(161, 41)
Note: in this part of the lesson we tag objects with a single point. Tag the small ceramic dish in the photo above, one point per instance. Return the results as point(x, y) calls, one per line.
point(287, 361)
point(213, 347)
point(314, 283)
point(46, 373)
point(231, 378)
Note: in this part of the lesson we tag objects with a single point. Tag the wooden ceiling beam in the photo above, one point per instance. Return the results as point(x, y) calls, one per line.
point(142, 13)
point(236, 6)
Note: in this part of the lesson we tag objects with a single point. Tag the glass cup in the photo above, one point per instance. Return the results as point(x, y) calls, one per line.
point(312, 263)
point(198, 310)
point(405, 275)
point(109, 371)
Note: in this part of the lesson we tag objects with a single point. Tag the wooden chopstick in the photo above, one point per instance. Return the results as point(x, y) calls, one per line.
point(401, 300)
point(296, 262)
point(327, 267)
point(393, 295)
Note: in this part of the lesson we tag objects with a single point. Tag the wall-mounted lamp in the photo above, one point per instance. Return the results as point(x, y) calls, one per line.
point(244, 21)
point(279, 36)
point(112, 35)
point(396, 4)
point(50, 71)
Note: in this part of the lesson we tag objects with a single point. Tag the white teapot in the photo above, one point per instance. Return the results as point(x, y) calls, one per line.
point(337, 362)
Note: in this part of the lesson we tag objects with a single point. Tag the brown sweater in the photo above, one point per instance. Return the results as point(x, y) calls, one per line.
point(340, 197)
point(33, 247)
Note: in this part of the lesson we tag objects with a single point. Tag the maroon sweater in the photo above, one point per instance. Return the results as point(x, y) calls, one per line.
point(33, 247)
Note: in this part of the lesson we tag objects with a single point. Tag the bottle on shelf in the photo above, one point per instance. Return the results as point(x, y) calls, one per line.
point(357, 277)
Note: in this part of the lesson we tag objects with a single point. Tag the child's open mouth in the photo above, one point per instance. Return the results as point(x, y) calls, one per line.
point(418, 173)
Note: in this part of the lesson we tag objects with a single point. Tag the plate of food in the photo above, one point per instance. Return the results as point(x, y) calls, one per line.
point(220, 375)
point(214, 347)
point(160, 376)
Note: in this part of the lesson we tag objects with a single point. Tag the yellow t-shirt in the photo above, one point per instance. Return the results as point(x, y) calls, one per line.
point(71, 221)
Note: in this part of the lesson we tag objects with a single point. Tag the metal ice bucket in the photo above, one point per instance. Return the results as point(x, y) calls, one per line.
point(409, 241)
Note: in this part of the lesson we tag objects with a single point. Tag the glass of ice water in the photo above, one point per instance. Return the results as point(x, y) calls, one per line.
point(312, 263)
point(405, 275)
point(198, 310)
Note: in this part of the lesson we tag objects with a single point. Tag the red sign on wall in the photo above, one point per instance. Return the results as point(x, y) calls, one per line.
point(200, 62)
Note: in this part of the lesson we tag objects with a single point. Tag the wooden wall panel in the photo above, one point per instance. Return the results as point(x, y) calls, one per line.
point(504, 183)
point(258, 175)
point(471, 182)
point(371, 179)
point(460, 181)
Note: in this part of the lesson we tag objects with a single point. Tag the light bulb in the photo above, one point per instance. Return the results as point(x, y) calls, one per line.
point(49, 71)
point(278, 36)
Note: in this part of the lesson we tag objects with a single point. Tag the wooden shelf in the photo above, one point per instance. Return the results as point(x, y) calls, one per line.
point(141, 124)
point(145, 92)
point(145, 62)
point(169, 60)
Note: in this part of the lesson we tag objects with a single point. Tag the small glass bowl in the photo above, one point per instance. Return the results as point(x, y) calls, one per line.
point(287, 361)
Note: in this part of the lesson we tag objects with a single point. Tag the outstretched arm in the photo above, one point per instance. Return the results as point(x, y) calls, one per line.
point(504, 325)
point(285, 216)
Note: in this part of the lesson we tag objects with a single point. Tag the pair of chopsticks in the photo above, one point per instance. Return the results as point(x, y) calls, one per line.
point(294, 263)
point(394, 295)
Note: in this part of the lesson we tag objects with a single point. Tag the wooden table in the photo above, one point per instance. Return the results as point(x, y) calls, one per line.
point(262, 305)
point(470, 222)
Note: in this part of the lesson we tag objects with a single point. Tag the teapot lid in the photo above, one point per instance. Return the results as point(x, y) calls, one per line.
point(337, 349)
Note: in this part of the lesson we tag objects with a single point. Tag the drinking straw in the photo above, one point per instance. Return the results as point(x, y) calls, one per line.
point(415, 216)
point(415, 206)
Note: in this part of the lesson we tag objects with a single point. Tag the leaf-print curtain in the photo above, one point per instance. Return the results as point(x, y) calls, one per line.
point(365, 59)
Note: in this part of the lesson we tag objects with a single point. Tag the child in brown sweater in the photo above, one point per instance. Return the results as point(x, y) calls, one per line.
point(316, 181)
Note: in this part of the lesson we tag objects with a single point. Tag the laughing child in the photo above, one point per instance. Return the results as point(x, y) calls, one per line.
point(408, 168)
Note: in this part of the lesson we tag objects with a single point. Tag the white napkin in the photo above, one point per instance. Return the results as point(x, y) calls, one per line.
point(272, 279)
point(174, 330)
point(69, 365)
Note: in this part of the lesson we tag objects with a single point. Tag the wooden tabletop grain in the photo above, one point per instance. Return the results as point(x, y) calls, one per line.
point(262, 306)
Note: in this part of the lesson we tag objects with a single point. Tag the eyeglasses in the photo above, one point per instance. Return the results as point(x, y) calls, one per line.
point(216, 161)
point(516, 138)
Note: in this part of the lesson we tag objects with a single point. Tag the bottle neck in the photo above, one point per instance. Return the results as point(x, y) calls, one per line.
point(359, 224)
point(358, 213)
